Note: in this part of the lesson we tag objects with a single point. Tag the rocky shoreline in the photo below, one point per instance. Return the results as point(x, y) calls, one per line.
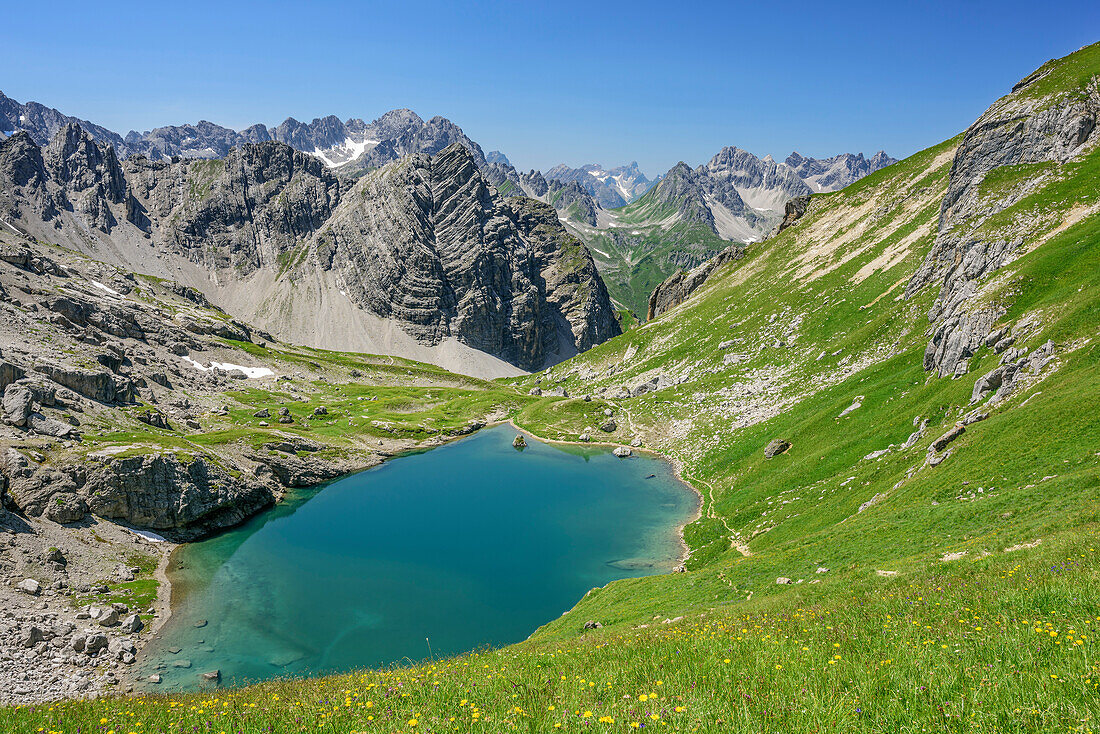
point(60, 636)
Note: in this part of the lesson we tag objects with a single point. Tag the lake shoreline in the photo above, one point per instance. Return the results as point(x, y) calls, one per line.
point(677, 470)
point(170, 595)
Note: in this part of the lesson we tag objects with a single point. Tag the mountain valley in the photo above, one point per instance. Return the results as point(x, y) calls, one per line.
point(875, 374)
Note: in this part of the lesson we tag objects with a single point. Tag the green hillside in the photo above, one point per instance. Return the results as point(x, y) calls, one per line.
point(646, 242)
point(888, 572)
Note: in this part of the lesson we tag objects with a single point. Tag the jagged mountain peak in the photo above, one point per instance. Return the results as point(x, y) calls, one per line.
point(611, 188)
point(836, 172)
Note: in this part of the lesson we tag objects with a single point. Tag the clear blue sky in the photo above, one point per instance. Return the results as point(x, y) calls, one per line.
point(550, 82)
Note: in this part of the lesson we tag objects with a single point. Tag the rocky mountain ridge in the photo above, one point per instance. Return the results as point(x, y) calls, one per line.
point(354, 144)
point(270, 233)
point(832, 174)
point(610, 188)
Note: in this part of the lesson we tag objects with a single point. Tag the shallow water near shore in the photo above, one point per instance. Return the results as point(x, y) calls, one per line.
point(470, 544)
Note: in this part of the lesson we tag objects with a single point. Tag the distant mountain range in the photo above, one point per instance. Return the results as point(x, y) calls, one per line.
point(353, 143)
point(610, 188)
point(637, 227)
point(691, 214)
point(833, 174)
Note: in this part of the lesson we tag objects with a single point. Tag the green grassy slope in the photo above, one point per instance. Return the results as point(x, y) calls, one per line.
point(961, 595)
point(644, 244)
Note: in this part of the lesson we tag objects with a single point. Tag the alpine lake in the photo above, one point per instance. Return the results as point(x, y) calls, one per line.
point(431, 554)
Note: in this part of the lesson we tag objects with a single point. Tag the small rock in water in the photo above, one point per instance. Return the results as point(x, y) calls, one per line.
point(519, 441)
point(200, 623)
point(181, 664)
point(212, 675)
point(154, 678)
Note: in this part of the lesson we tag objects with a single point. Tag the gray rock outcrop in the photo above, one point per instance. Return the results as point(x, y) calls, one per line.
point(679, 287)
point(1016, 129)
point(776, 447)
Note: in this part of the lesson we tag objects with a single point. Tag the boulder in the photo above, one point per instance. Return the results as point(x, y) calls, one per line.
point(31, 636)
point(776, 447)
point(107, 618)
point(65, 507)
point(262, 413)
point(132, 624)
point(93, 643)
point(783, 580)
point(18, 404)
point(154, 418)
point(941, 443)
point(45, 426)
point(590, 625)
point(101, 386)
point(29, 586)
point(608, 426)
point(622, 452)
point(54, 555)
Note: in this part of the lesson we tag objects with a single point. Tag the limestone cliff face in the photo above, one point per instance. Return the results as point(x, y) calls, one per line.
point(424, 243)
point(1020, 128)
point(240, 212)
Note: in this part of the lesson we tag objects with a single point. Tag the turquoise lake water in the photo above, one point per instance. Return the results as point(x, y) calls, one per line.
point(470, 544)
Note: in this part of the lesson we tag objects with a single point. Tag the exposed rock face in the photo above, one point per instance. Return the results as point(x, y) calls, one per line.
point(572, 201)
point(242, 212)
point(164, 493)
point(685, 189)
point(424, 242)
point(41, 123)
point(679, 287)
point(569, 199)
point(740, 196)
point(792, 212)
point(1016, 129)
point(353, 142)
